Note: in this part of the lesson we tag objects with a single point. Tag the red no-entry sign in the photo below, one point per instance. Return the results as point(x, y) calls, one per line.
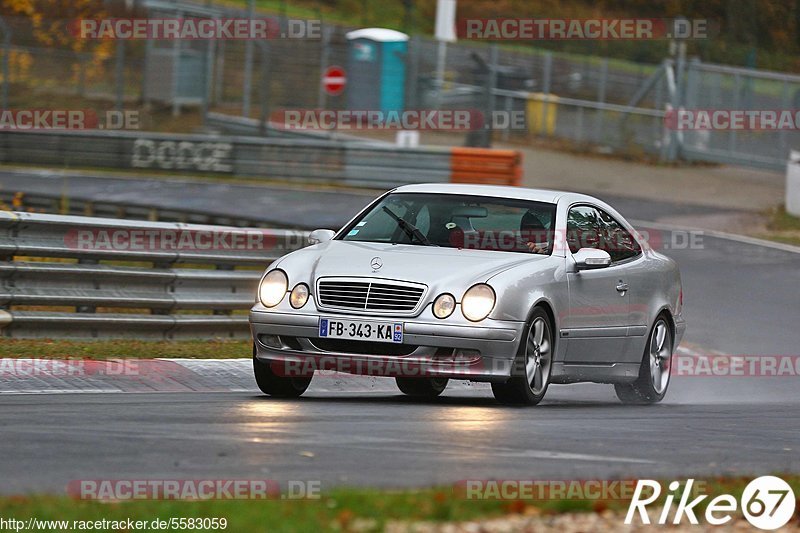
point(334, 80)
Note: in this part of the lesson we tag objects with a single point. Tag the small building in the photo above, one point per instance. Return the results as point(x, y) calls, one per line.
point(376, 69)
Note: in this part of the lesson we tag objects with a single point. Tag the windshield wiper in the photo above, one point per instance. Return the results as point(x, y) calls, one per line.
point(410, 229)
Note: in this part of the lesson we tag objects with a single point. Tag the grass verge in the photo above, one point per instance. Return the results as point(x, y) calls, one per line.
point(342, 509)
point(782, 227)
point(125, 349)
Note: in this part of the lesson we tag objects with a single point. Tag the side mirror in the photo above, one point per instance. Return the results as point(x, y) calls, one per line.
point(591, 258)
point(320, 235)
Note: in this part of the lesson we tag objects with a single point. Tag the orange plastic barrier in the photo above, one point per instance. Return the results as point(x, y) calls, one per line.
point(485, 166)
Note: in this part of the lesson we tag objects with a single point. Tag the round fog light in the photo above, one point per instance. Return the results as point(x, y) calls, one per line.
point(299, 295)
point(444, 305)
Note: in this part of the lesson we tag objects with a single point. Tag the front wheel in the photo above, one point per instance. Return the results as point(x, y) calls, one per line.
point(651, 385)
point(272, 384)
point(422, 387)
point(536, 354)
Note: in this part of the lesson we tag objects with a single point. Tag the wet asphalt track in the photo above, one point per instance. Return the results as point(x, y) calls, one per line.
point(739, 299)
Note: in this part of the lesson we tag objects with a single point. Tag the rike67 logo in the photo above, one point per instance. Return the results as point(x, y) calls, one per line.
point(767, 502)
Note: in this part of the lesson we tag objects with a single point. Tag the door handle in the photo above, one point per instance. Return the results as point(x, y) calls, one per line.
point(622, 287)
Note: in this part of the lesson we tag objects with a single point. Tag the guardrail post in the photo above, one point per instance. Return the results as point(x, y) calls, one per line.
point(87, 308)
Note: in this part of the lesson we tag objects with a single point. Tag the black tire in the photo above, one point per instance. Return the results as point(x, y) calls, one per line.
point(644, 390)
point(278, 386)
point(518, 390)
point(422, 387)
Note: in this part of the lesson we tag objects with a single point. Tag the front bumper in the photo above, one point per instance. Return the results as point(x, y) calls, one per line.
point(477, 352)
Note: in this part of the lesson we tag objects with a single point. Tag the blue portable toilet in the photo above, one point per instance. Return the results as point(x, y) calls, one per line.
point(376, 69)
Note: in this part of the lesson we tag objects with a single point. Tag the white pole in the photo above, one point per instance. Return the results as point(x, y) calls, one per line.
point(793, 184)
point(444, 33)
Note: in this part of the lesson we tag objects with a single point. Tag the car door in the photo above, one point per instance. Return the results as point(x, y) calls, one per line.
point(596, 327)
point(626, 252)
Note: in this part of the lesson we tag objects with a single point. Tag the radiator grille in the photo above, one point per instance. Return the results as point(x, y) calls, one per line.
point(370, 295)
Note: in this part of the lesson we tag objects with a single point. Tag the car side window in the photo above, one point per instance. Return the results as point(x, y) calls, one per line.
point(583, 228)
point(616, 240)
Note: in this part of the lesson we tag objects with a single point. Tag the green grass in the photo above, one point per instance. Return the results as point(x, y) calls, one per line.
point(116, 349)
point(341, 509)
point(782, 227)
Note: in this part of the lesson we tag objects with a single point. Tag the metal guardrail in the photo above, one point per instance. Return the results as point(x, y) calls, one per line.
point(236, 125)
point(297, 159)
point(58, 203)
point(67, 276)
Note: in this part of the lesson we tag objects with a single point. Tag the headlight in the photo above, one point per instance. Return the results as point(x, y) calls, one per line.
point(444, 305)
point(299, 295)
point(273, 288)
point(478, 302)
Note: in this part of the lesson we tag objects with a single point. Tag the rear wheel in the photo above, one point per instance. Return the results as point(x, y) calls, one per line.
point(536, 357)
point(651, 385)
point(422, 387)
point(278, 386)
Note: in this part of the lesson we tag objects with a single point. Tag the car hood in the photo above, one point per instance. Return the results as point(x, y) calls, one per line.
point(431, 265)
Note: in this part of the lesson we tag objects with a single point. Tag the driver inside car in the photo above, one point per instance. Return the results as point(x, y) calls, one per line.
point(533, 232)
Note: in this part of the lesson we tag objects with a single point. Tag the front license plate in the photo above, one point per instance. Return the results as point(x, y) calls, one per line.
point(361, 330)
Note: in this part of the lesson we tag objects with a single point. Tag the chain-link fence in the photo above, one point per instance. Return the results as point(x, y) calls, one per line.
point(581, 101)
point(721, 87)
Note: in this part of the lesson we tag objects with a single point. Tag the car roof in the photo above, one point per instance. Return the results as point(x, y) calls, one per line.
point(500, 191)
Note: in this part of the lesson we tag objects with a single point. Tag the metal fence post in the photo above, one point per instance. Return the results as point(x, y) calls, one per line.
point(80, 90)
point(737, 102)
point(208, 69)
point(325, 52)
point(6, 50)
point(509, 108)
point(413, 73)
point(176, 73)
point(669, 151)
point(784, 105)
point(601, 99)
point(119, 75)
point(148, 54)
point(248, 66)
point(547, 76)
point(265, 89)
point(493, 64)
point(219, 93)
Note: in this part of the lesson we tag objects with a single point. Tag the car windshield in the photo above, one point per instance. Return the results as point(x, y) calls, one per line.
point(457, 221)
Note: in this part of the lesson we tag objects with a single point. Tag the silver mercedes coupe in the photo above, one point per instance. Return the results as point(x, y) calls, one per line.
point(518, 287)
